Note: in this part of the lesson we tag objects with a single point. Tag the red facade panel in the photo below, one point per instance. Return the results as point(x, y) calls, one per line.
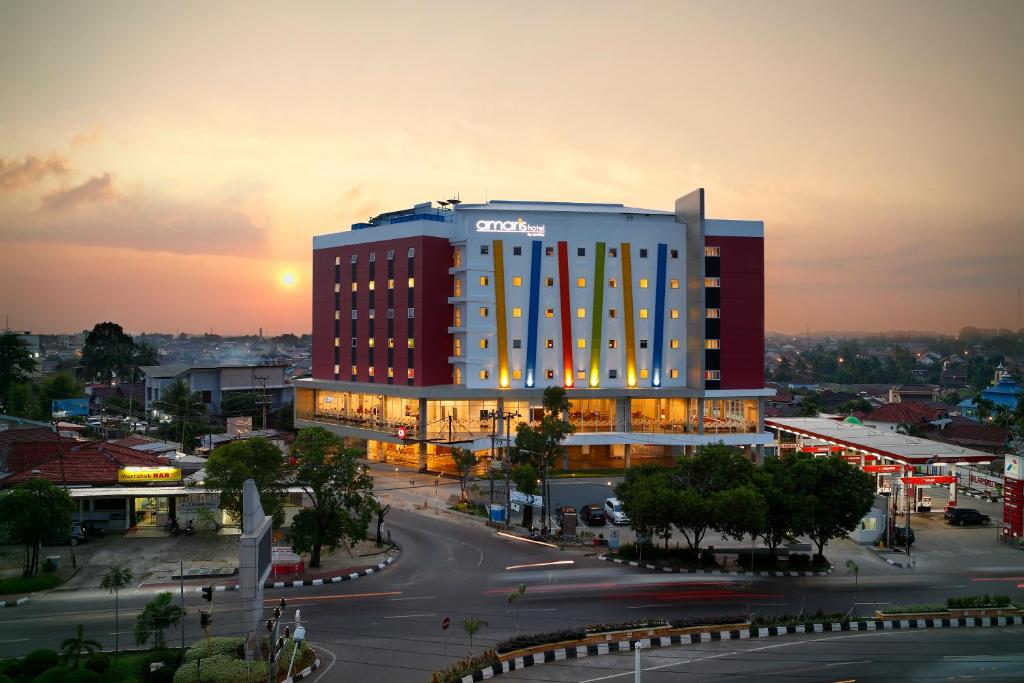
point(742, 311)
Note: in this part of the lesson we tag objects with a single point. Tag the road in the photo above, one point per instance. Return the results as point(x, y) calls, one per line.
point(387, 626)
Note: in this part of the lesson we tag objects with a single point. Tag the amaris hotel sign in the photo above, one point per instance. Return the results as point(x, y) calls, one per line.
point(518, 226)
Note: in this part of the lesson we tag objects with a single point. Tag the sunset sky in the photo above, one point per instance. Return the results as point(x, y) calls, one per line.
point(165, 165)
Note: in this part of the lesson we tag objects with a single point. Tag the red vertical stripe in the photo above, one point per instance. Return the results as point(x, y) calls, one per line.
point(568, 368)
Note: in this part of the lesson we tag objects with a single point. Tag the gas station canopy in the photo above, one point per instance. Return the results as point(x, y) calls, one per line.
point(909, 450)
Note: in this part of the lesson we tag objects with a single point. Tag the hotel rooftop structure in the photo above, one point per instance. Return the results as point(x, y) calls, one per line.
point(429, 321)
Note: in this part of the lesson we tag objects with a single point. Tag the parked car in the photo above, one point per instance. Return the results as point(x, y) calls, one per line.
point(592, 515)
point(962, 516)
point(614, 512)
point(899, 536)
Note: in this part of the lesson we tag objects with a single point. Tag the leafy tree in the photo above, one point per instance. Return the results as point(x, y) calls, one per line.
point(187, 412)
point(61, 385)
point(341, 493)
point(649, 496)
point(16, 363)
point(114, 581)
point(464, 461)
point(239, 404)
point(258, 459)
point(811, 405)
point(524, 476)
point(34, 513)
point(73, 647)
point(108, 353)
point(541, 444)
point(20, 400)
point(741, 511)
point(513, 599)
point(856, 405)
point(143, 354)
point(775, 483)
point(706, 496)
point(908, 428)
point(283, 419)
point(157, 616)
point(835, 497)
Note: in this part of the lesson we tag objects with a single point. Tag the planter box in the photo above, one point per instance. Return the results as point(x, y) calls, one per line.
point(617, 636)
point(973, 613)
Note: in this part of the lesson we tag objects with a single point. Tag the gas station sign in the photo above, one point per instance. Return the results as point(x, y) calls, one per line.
point(927, 480)
point(883, 469)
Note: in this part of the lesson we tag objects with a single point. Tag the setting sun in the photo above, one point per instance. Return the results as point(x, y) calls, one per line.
point(288, 278)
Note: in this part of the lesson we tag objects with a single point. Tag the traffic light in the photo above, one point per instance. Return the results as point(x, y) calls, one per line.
point(205, 619)
point(208, 593)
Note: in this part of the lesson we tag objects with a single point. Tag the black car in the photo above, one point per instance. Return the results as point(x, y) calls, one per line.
point(899, 536)
point(962, 516)
point(592, 515)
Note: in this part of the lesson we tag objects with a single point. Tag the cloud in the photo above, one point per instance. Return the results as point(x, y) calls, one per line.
point(96, 189)
point(29, 171)
point(89, 137)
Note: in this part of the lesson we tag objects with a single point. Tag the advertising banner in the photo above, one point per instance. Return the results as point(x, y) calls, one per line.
point(144, 475)
point(70, 407)
point(925, 480)
point(882, 469)
point(1011, 468)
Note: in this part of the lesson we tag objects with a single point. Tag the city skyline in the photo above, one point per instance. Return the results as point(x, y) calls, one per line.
point(166, 166)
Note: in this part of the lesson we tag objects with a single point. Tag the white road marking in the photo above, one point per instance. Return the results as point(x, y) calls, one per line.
point(429, 597)
point(20, 640)
point(410, 616)
point(540, 609)
point(665, 604)
point(859, 661)
point(324, 670)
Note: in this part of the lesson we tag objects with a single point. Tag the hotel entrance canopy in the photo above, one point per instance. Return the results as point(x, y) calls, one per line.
point(909, 450)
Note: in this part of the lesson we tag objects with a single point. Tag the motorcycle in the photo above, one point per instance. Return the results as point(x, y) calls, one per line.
point(190, 528)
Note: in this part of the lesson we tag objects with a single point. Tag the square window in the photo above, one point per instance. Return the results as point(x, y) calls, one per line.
point(484, 312)
point(581, 343)
point(712, 312)
point(711, 344)
point(674, 284)
point(373, 313)
point(517, 312)
point(613, 283)
point(484, 374)
point(581, 282)
point(581, 374)
point(643, 283)
point(517, 251)
point(643, 343)
point(337, 341)
point(370, 371)
point(484, 281)
point(517, 343)
point(411, 312)
point(673, 373)
point(581, 251)
point(410, 343)
point(412, 252)
point(713, 375)
point(517, 281)
point(613, 374)
point(483, 343)
point(372, 285)
point(391, 254)
point(517, 374)
point(337, 369)
point(391, 314)
point(613, 252)
point(674, 313)
point(675, 254)
point(354, 257)
point(549, 282)
point(674, 343)
point(612, 313)
point(549, 313)
point(643, 253)
point(549, 251)
point(712, 282)
point(391, 283)
point(412, 282)
point(549, 343)
point(355, 314)
point(613, 344)
point(581, 313)
point(373, 257)
point(337, 315)
point(550, 374)
point(337, 287)
point(643, 373)
point(643, 314)
point(410, 373)
point(485, 249)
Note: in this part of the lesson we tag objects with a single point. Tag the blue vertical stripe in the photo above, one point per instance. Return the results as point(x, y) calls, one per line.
point(659, 316)
point(531, 331)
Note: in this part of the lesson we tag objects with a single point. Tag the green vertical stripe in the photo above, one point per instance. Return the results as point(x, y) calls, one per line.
point(597, 315)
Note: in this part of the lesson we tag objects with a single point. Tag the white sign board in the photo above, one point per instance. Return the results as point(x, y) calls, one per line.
point(518, 226)
point(519, 497)
point(1011, 468)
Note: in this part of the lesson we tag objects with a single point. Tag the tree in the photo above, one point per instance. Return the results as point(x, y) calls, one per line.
point(239, 404)
point(143, 354)
point(513, 599)
point(471, 626)
point(258, 459)
point(464, 461)
point(157, 616)
point(73, 647)
point(706, 495)
point(108, 353)
point(114, 580)
point(524, 476)
point(20, 400)
point(835, 497)
point(774, 481)
point(61, 385)
point(381, 511)
point(649, 498)
point(16, 363)
point(283, 419)
point(811, 405)
point(187, 412)
point(340, 490)
point(34, 513)
point(541, 444)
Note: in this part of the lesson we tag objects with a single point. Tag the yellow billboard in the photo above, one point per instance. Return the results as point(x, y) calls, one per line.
point(141, 475)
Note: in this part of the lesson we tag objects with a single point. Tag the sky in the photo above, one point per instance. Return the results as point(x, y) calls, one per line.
point(165, 164)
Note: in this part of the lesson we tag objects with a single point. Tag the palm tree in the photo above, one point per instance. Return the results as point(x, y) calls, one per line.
point(73, 647)
point(513, 598)
point(157, 616)
point(854, 568)
point(113, 581)
point(471, 626)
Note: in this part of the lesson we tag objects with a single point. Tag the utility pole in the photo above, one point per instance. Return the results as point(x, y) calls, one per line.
point(64, 482)
point(262, 379)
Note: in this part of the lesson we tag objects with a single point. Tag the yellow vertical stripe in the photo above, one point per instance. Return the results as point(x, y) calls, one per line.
point(627, 305)
point(499, 304)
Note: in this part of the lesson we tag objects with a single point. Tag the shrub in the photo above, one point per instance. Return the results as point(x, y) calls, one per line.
point(818, 617)
point(61, 674)
point(220, 669)
point(520, 641)
point(973, 601)
point(798, 561)
point(303, 659)
point(98, 662)
point(455, 672)
point(913, 609)
point(687, 622)
point(36, 662)
point(229, 647)
point(170, 658)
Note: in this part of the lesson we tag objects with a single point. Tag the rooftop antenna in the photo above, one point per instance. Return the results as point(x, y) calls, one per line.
point(443, 203)
point(455, 201)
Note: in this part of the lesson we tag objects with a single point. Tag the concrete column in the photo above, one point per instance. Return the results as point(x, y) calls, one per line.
point(700, 415)
point(759, 458)
point(628, 450)
point(760, 415)
point(421, 430)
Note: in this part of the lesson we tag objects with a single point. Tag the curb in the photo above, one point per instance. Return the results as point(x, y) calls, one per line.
point(16, 603)
point(379, 567)
point(581, 651)
point(676, 570)
point(305, 672)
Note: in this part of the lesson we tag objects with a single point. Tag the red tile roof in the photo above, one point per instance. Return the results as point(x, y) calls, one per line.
point(978, 435)
point(87, 463)
point(905, 413)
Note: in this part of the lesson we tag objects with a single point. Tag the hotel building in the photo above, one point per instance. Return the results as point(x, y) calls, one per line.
point(429, 321)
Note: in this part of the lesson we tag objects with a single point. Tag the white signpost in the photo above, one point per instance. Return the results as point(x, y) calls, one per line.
point(254, 559)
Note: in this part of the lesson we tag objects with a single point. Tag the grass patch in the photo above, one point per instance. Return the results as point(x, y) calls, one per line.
point(470, 509)
point(979, 601)
point(31, 584)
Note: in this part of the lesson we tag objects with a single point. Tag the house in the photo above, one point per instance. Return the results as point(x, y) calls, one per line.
point(990, 438)
point(907, 393)
point(214, 382)
point(1004, 393)
point(916, 415)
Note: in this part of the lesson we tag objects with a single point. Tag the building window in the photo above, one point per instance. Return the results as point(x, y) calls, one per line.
point(613, 374)
point(457, 348)
point(355, 286)
point(643, 343)
point(674, 284)
point(373, 313)
point(337, 341)
point(643, 253)
point(355, 342)
point(391, 342)
point(674, 313)
point(411, 312)
point(549, 343)
point(355, 314)
point(337, 369)
point(391, 254)
point(354, 257)
point(612, 313)
point(581, 313)
point(581, 374)
point(643, 314)
point(337, 287)
point(517, 251)
point(391, 283)
point(373, 257)
point(549, 282)
point(517, 312)
point(517, 281)
point(613, 344)
point(337, 315)
point(713, 375)
point(410, 373)
point(354, 370)
point(581, 343)
point(456, 260)
point(613, 252)
point(643, 373)
point(373, 342)
point(412, 282)
point(391, 314)
point(484, 281)
point(457, 317)
point(372, 285)
point(370, 370)
point(457, 376)
point(412, 252)
point(674, 253)
point(483, 343)
point(613, 283)
point(485, 249)
point(643, 283)
point(411, 343)
point(549, 251)
point(712, 251)
point(673, 343)
point(457, 287)
point(484, 374)
point(517, 374)
point(711, 344)
point(337, 262)
point(712, 282)
point(581, 282)
point(517, 343)
point(484, 312)
point(549, 313)
point(391, 373)
point(550, 374)
point(712, 312)
point(581, 251)
point(673, 373)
